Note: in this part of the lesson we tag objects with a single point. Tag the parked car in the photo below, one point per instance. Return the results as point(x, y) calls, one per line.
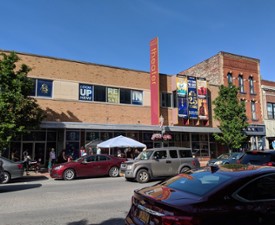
point(220, 196)
point(11, 170)
point(2, 176)
point(225, 158)
point(266, 158)
point(88, 166)
point(159, 162)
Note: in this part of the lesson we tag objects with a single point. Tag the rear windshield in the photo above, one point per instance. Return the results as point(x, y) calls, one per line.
point(197, 183)
point(256, 158)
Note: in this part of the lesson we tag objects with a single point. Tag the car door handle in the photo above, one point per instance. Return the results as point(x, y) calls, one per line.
point(168, 161)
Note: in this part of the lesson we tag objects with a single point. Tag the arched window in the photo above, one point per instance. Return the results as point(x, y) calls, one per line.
point(241, 84)
point(251, 85)
point(229, 78)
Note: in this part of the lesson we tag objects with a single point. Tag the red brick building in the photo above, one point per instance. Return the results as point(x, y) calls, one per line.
point(243, 72)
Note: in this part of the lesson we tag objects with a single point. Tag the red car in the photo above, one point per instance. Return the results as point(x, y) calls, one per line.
point(88, 166)
point(245, 195)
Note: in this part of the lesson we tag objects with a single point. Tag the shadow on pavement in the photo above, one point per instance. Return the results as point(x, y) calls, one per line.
point(29, 178)
point(114, 221)
point(20, 187)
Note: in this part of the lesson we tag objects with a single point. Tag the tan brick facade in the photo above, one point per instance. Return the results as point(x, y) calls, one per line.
point(67, 75)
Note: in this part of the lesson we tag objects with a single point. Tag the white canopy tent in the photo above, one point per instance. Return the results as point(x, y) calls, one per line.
point(121, 142)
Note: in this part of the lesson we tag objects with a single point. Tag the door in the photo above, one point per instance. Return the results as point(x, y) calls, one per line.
point(174, 162)
point(160, 163)
point(39, 153)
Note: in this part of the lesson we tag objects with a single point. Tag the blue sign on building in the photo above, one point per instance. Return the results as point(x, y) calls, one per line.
point(85, 92)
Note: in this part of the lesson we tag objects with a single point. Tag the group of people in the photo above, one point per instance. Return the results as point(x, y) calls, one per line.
point(66, 156)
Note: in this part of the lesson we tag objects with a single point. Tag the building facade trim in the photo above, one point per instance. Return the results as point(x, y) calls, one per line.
point(89, 126)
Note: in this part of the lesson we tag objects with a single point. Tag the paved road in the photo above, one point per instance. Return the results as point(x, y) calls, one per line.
point(40, 200)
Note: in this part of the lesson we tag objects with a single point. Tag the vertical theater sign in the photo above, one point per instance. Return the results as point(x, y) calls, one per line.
point(154, 81)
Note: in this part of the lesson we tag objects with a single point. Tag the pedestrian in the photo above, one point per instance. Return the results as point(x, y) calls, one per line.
point(52, 159)
point(90, 151)
point(82, 151)
point(14, 156)
point(26, 161)
point(62, 156)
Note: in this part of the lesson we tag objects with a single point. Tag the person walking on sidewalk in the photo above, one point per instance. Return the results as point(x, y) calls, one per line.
point(52, 158)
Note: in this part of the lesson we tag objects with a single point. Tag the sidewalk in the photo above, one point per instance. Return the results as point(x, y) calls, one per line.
point(42, 173)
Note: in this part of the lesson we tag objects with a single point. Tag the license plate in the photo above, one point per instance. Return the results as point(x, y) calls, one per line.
point(143, 216)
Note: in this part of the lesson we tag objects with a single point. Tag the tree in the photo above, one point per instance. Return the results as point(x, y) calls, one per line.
point(231, 114)
point(19, 113)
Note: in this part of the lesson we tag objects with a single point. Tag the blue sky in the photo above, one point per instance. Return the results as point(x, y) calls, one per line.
point(118, 32)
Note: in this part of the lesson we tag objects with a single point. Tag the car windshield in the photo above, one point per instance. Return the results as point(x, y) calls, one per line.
point(223, 156)
point(197, 183)
point(145, 155)
point(235, 156)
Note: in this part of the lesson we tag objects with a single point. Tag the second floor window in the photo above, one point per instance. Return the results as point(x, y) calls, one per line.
point(253, 110)
point(229, 79)
point(251, 85)
point(271, 110)
point(241, 85)
point(166, 99)
point(42, 88)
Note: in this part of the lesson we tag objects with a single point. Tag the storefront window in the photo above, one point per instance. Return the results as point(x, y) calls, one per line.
point(51, 136)
point(90, 136)
point(106, 135)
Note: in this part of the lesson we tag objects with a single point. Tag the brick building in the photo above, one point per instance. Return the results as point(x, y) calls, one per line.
point(243, 72)
point(268, 93)
point(87, 103)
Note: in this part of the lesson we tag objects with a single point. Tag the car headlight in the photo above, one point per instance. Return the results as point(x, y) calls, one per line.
point(129, 167)
point(218, 162)
point(57, 167)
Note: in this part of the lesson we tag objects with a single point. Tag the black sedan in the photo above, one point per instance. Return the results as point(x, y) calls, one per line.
point(11, 170)
point(243, 195)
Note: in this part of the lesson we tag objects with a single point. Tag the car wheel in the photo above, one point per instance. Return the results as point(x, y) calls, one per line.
point(6, 177)
point(142, 176)
point(185, 169)
point(69, 174)
point(114, 172)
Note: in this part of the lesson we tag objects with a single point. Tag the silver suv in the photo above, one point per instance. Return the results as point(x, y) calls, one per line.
point(159, 162)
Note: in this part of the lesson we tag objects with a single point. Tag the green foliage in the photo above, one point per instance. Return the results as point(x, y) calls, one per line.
point(18, 112)
point(231, 114)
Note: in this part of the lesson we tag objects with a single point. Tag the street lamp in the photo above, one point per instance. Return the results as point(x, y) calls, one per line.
point(161, 121)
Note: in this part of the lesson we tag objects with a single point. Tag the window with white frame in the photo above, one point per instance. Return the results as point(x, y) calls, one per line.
point(241, 84)
point(229, 78)
point(253, 110)
point(251, 85)
point(271, 110)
